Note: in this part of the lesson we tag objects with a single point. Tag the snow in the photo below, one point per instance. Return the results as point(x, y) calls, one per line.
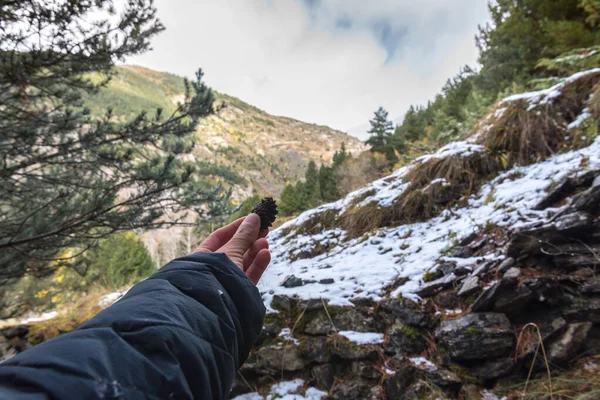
point(546, 96)
point(363, 337)
point(286, 334)
point(286, 391)
point(585, 114)
point(423, 363)
point(361, 267)
point(461, 148)
point(43, 317)
point(485, 395)
point(109, 299)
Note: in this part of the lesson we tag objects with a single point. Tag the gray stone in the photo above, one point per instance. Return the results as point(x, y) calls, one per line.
point(493, 369)
point(276, 358)
point(507, 264)
point(395, 386)
point(487, 299)
point(461, 252)
point(347, 350)
point(469, 287)
point(281, 303)
point(512, 273)
point(566, 347)
point(470, 392)
point(324, 376)
point(447, 267)
point(344, 319)
point(482, 269)
point(477, 336)
point(514, 301)
point(365, 369)
point(354, 390)
point(316, 349)
point(15, 331)
point(291, 281)
point(588, 201)
point(327, 281)
point(431, 288)
point(407, 311)
point(319, 325)
point(404, 340)
point(440, 377)
point(574, 223)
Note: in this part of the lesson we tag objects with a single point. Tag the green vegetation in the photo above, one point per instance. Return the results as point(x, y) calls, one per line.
point(120, 260)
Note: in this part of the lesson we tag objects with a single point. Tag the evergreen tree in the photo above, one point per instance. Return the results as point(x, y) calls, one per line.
point(289, 202)
point(120, 260)
point(340, 156)
point(68, 179)
point(328, 182)
point(381, 137)
point(312, 191)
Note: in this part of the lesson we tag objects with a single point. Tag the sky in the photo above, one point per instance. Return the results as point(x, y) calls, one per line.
point(330, 62)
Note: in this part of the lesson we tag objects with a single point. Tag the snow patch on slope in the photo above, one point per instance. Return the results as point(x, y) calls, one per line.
point(363, 267)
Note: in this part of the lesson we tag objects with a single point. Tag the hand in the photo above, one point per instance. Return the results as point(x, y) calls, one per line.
point(244, 243)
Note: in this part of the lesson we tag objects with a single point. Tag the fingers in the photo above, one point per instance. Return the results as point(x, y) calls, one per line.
point(220, 237)
point(243, 239)
point(259, 265)
point(259, 245)
point(263, 234)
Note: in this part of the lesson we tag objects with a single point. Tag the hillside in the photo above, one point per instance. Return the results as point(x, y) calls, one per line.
point(240, 145)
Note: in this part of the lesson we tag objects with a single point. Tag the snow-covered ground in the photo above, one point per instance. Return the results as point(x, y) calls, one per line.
point(286, 391)
point(362, 268)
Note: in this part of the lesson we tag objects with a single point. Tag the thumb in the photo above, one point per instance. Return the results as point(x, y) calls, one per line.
point(243, 239)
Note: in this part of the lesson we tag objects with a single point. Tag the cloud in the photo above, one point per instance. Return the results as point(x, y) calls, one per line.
point(330, 62)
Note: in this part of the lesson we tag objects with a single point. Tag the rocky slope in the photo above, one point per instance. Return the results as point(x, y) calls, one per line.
point(240, 145)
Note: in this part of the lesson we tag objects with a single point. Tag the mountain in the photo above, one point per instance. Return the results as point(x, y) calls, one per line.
point(240, 145)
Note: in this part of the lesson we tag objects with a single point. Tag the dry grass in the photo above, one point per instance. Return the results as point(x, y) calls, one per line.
point(318, 222)
point(524, 136)
point(595, 102)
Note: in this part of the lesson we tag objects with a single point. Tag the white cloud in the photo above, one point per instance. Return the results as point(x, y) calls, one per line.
point(294, 60)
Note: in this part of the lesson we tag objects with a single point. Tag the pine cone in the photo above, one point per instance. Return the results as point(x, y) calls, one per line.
point(267, 211)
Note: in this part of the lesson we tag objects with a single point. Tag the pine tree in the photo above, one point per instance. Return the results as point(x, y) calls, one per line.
point(289, 202)
point(68, 179)
point(381, 139)
point(312, 191)
point(120, 260)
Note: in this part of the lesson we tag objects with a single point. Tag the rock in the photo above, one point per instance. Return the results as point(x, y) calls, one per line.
point(583, 311)
point(477, 336)
point(591, 287)
point(418, 391)
point(448, 299)
point(281, 303)
point(431, 288)
point(467, 240)
point(528, 241)
point(588, 201)
point(574, 224)
point(354, 390)
point(344, 349)
point(404, 340)
point(327, 281)
point(324, 376)
point(507, 264)
point(567, 346)
point(319, 325)
point(291, 281)
point(365, 369)
point(546, 290)
point(311, 305)
point(514, 301)
point(512, 273)
point(344, 319)
point(560, 193)
point(574, 256)
point(447, 267)
point(407, 311)
point(493, 369)
point(395, 386)
point(15, 331)
point(273, 328)
point(461, 252)
point(487, 299)
point(275, 358)
point(316, 349)
point(441, 377)
point(482, 269)
point(469, 287)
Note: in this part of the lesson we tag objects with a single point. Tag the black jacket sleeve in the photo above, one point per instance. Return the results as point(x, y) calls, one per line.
point(180, 334)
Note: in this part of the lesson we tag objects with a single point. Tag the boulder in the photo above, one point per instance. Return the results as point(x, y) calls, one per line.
point(291, 281)
point(440, 377)
point(344, 319)
point(574, 224)
point(395, 385)
point(507, 264)
point(487, 299)
point(461, 252)
point(282, 303)
point(588, 201)
point(477, 336)
point(514, 301)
